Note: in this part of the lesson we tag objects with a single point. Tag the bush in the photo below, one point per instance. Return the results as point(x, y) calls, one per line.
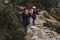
point(10, 27)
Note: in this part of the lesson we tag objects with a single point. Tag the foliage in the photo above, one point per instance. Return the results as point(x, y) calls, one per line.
point(52, 26)
point(39, 3)
point(10, 26)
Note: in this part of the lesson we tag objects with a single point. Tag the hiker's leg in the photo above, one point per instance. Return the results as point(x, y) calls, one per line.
point(26, 29)
point(33, 21)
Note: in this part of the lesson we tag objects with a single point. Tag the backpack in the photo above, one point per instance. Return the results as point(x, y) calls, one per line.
point(30, 11)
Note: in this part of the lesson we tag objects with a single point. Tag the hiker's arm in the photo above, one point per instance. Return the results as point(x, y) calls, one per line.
point(29, 15)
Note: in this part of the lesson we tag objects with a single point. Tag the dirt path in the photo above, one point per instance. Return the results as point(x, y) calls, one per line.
point(39, 32)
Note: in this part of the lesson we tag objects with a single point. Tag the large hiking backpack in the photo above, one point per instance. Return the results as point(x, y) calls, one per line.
point(31, 11)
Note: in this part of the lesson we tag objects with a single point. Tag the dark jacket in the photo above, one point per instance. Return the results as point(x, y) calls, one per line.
point(26, 19)
point(34, 14)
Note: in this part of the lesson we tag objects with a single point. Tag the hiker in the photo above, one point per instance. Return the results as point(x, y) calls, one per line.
point(26, 20)
point(34, 16)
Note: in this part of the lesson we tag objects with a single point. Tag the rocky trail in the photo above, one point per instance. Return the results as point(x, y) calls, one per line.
point(39, 32)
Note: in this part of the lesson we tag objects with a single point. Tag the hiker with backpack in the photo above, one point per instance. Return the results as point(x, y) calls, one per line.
point(26, 19)
point(34, 16)
point(33, 13)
